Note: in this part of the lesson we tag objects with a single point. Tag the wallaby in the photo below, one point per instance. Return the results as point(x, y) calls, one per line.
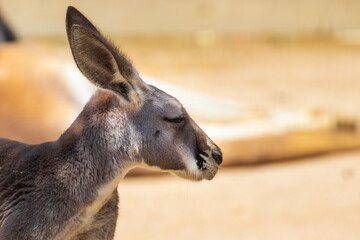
point(67, 189)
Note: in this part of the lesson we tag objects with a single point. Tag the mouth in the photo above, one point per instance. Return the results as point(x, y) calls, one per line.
point(207, 165)
point(201, 160)
point(204, 165)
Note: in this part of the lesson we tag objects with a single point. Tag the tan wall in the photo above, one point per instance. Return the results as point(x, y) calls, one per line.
point(174, 16)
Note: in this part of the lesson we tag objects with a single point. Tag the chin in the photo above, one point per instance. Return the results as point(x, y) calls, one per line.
point(197, 175)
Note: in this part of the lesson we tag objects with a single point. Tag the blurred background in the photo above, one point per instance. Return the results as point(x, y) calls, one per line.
point(275, 83)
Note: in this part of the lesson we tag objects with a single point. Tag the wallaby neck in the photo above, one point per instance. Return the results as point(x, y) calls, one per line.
point(99, 145)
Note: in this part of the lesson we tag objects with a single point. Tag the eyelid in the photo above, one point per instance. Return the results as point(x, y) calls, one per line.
point(180, 119)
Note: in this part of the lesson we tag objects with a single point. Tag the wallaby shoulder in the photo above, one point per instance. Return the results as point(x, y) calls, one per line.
point(58, 177)
point(10, 150)
point(24, 178)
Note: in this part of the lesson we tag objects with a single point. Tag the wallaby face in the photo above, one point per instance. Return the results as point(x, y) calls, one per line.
point(163, 134)
point(171, 140)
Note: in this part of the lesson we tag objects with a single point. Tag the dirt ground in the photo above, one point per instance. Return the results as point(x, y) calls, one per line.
point(313, 198)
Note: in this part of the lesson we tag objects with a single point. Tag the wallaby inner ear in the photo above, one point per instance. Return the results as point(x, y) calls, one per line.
point(100, 61)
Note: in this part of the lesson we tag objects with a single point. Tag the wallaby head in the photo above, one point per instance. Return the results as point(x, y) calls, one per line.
point(162, 133)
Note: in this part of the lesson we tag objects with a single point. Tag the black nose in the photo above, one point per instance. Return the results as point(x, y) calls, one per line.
point(217, 157)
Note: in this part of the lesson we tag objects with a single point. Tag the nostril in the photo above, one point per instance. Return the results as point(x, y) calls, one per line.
point(203, 153)
point(217, 157)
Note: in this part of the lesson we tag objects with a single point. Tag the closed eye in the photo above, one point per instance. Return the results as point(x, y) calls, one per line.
point(175, 120)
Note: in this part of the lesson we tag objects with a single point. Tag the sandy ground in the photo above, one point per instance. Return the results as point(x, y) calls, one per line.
point(313, 198)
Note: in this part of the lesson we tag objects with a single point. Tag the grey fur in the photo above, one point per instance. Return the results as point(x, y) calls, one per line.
point(67, 189)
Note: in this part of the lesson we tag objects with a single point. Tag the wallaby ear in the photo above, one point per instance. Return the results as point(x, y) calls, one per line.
point(99, 60)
